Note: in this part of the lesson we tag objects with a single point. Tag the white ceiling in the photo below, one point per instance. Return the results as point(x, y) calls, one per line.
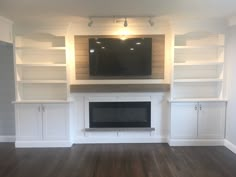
point(42, 11)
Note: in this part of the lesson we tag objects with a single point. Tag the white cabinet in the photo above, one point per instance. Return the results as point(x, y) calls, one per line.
point(197, 120)
point(42, 122)
point(5, 30)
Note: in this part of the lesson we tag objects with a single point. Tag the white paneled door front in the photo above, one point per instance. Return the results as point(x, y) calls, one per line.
point(184, 117)
point(55, 121)
point(29, 122)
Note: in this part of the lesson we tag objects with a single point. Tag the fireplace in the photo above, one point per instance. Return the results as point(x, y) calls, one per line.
point(119, 114)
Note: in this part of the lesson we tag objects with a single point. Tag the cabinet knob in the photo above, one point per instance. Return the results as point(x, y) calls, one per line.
point(200, 107)
point(39, 108)
point(195, 107)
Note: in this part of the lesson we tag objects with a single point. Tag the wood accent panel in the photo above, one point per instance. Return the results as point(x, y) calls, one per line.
point(121, 88)
point(82, 57)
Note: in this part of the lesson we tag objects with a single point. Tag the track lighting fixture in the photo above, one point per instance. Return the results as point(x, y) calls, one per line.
point(151, 22)
point(125, 23)
point(121, 19)
point(90, 23)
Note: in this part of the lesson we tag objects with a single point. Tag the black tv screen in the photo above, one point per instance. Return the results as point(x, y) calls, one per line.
point(117, 57)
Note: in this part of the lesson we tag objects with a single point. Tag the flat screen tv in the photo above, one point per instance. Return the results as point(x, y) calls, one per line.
point(117, 57)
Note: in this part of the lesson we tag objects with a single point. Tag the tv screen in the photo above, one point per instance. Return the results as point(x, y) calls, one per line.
point(117, 57)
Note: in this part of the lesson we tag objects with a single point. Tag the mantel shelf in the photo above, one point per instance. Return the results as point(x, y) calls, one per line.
point(121, 88)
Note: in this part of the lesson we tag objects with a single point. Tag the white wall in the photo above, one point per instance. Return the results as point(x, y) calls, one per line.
point(231, 84)
point(7, 93)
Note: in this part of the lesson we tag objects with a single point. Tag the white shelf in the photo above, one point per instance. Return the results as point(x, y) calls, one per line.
point(197, 100)
point(40, 48)
point(198, 67)
point(42, 81)
point(40, 65)
point(41, 69)
point(196, 80)
point(40, 101)
point(202, 63)
point(198, 47)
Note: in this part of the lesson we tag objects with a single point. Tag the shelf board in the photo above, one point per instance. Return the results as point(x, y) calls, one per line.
point(210, 63)
point(197, 100)
point(40, 65)
point(42, 81)
point(40, 101)
point(196, 80)
point(40, 48)
point(198, 47)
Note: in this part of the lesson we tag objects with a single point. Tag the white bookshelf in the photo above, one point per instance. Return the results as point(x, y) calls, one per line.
point(198, 66)
point(41, 68)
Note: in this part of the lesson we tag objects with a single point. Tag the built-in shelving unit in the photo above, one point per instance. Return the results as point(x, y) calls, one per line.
point(41, 72)
point(198, 66)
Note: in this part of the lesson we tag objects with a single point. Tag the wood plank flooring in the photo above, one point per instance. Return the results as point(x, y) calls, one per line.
point(117, 160)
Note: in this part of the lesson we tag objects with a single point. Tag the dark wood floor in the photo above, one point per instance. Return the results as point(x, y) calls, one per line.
point(117, 160)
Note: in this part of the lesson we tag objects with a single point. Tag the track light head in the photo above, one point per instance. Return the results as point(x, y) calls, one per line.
point(125, 23)
point(90, 23)
point(151, 22)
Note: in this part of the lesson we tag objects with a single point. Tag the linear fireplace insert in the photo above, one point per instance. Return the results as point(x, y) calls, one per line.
point(119, 114)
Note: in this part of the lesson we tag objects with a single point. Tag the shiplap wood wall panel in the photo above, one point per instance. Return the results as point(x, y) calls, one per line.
point(82, 57)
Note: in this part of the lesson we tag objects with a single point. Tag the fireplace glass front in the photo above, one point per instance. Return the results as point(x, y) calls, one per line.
point(119, 114)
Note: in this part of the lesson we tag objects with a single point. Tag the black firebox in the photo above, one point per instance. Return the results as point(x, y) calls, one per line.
point(119, 114)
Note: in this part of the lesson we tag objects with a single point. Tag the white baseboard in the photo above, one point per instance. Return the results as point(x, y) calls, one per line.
point(7, 139)
point(112, 140)
point(196, 142)
point(230, 146)
point(42, 144)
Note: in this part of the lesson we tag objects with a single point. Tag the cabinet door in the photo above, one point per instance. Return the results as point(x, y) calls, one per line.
point(184, 120)
point(28, 122)
point(211, 121)
point(55, 121)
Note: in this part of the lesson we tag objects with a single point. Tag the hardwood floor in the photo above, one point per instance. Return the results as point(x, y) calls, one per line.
point(117, 160)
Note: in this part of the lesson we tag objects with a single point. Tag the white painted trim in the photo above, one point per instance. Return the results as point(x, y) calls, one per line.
point(7, 139)
point(196, 142)
point(42, 144)
point(106, 140)
point(230, 146)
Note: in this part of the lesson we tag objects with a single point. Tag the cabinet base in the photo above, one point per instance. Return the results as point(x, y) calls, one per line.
point(42, 144)
point(196, 142)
